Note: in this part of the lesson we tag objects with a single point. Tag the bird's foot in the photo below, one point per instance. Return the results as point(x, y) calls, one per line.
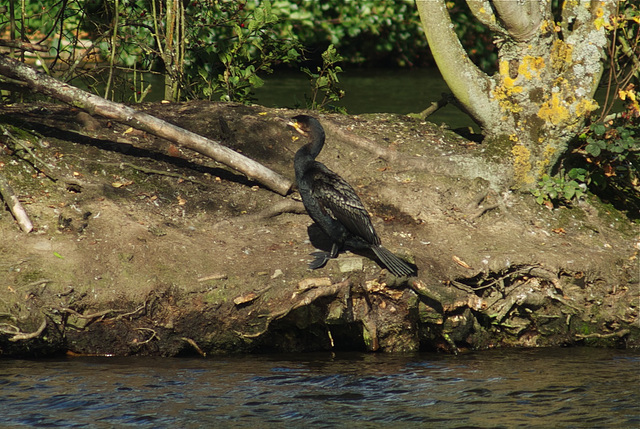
point(321, 258)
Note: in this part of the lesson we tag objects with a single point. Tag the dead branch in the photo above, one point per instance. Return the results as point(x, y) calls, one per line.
point(28, 336)
point(147, 170)
point(195, 346)
point(16, 209)
point(284, 206)
point(621, 333)
point(23, 46)
point(35, 162)
point(153, 335)
point(445, 99)
point(90, 316)
point(145, 122)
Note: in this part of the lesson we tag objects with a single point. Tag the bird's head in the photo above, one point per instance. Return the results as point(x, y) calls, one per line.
point(303, 124)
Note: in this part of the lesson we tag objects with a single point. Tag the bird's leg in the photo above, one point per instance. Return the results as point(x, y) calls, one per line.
point(321, 258)
point(334, 250)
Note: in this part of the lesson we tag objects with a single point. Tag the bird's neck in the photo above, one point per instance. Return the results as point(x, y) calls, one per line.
point(314, 147)
point(306, 155)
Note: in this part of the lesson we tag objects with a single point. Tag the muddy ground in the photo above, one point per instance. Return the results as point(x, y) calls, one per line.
point(141, 247)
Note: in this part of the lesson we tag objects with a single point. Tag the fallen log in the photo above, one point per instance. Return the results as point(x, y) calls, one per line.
point(124, 114)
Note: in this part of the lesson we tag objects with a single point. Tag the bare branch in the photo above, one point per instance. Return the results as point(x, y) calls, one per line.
point(142, 121)
point(30, 335)
point(24, 46)
point(16, 209)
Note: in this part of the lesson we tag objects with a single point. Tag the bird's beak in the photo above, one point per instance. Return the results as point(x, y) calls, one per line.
point(296, 126)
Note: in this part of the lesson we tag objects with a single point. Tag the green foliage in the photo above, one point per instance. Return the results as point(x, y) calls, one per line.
point(622, 68)
point(325, 81)
point(609, 155)
point(605, 158)
point(606, 161)
point(231, 45)
point(561, 189)
point(363, 31)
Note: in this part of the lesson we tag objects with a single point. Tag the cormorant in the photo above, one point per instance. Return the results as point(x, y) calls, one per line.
point(334, 205)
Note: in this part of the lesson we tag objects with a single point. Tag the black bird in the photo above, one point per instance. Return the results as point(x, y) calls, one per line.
point(334, 205)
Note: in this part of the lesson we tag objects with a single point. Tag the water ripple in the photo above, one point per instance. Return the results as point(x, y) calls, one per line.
point(527, 388)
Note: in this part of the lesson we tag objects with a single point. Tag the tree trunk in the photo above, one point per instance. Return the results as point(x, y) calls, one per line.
point(547, 76)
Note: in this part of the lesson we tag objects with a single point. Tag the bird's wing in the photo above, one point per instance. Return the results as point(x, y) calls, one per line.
point(341, 202)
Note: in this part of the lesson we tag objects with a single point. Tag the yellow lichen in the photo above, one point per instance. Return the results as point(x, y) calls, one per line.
point(585, 106)
point(504, 93)
point(561, 55)
point(554, 110)
point(530, 67)
point(521, 164)
point(543, 164)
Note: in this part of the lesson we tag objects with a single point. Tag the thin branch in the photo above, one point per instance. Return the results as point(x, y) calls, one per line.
point(24, 46)
point(28, 336)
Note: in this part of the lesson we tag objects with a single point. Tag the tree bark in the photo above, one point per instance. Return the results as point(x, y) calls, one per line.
point(142, 121)
point(547, 76)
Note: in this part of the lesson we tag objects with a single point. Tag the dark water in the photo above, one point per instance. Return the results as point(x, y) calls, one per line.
point(579, 388)
point(370, 91)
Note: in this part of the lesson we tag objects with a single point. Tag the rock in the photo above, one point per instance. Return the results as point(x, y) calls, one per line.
point(349, 265)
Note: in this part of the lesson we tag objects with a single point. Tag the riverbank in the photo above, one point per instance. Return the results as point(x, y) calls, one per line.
point(141, 247)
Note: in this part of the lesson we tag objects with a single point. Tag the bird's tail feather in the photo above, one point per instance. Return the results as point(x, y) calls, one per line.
point(397, 266)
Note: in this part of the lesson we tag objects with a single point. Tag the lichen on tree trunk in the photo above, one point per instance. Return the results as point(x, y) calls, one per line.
point(547, 75)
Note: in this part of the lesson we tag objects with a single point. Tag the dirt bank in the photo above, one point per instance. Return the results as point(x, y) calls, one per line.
point(141, 247)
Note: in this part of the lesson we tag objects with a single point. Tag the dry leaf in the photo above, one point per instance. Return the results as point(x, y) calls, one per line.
point(245, 299)
point(460, 262)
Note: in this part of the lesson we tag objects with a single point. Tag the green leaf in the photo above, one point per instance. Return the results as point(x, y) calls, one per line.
point(593, 149)
point(599, 129)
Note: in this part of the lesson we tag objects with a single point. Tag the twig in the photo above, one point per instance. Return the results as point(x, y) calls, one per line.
point(6, 328)
point(23, 46)
point(195, 346)
point(620, 333)
point(40, 165)
point(85, 316)
point(131, 313)
point(16, 209)
point(445, 99)
point(153, 335)
point(39, 282)
point(25, 336)
point(147, 170)
point(284, 206)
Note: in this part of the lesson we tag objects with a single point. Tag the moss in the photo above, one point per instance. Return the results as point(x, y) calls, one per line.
point(614, 218)
point(498, 147)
